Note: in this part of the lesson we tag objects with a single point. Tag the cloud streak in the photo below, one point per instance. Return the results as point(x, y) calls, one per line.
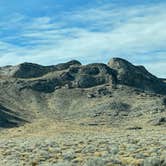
point(94, 34)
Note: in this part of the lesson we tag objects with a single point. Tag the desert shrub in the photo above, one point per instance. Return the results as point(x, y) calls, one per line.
point(96, 161)
point(164, 101)
point(119, 106)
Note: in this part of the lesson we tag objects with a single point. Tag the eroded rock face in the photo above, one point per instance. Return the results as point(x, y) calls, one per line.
point(136, 76)
point(31, 70)
point(79, 77)
point(46, 86)
point(95, 74)
point(129, 74)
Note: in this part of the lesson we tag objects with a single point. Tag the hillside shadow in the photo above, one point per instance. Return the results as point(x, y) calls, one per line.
point(8, 119)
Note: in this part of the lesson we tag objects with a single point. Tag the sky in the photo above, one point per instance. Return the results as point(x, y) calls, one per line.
point(54, 31)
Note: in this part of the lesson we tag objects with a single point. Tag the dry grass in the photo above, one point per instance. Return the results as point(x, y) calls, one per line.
point(50, 128)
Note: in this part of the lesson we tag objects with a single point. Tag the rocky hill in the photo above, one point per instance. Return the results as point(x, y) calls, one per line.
point(82, 115)
point(74, 75)
point(95, 92)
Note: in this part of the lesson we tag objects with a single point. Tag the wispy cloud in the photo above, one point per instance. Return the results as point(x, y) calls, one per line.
point(89, 34)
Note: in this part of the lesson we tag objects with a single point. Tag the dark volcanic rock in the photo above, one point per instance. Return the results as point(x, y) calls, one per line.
point(77, 77)
point(164, 101)
point(136, 76)
point(97, 68)
point(95, 74)
point(86, 81)
point(73, 74)
point(46, 86)
point(31, 70)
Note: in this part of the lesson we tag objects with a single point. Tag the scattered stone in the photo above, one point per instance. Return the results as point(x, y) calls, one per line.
point(90, 95)
point(69, 155)
point(134, 128)
point(164, 101)
point(95, 162)
point(159, 121)
point(152, 161)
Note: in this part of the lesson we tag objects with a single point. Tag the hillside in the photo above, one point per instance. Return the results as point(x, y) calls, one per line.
point(67, 98)
point(69, 90)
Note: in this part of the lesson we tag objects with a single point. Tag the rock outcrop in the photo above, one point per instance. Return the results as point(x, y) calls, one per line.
point(74, 75)
point(31, 70)
point(136, 76)
point(70, 74)
point(95, 74)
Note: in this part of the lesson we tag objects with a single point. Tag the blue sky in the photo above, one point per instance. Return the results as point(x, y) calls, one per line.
point(53, 31)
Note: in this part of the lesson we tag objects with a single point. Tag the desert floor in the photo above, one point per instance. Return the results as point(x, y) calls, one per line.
point(50, 143)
